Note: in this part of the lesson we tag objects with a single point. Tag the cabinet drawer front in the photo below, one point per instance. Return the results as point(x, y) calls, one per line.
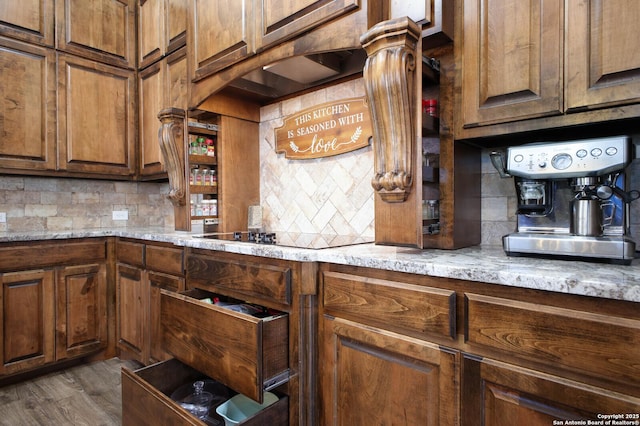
point(389, 304)
point(165, 259)
point(601, 345)
point(51, 253)
point(255, 279)
point(239, 350)
point(131, 253)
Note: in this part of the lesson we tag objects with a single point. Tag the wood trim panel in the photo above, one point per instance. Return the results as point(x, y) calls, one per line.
point(414, 309)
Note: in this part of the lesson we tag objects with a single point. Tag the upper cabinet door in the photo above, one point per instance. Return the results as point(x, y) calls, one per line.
point(151, 33)
point(603, 53)
point(102, 30)
point(511, 60)
point(96, 117)
point(176, 24)
point(278, 20)
point(218, 36)
point(27, 106)
point(28, 20)
point(162, 29)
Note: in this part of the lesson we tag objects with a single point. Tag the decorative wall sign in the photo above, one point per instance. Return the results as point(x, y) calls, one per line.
point(325, 130)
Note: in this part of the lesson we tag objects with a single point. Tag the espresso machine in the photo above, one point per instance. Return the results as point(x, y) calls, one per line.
point(573, 200)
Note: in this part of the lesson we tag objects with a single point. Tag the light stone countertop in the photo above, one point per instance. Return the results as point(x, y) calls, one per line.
point(482, 264)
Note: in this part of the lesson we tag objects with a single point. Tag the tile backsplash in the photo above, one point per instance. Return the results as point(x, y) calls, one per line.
point(331, 195)
point(59, 204)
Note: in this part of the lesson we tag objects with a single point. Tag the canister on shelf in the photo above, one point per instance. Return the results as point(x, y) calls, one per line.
point(430, 107)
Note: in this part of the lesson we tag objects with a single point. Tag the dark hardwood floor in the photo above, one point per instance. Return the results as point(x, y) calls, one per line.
point(87, 394)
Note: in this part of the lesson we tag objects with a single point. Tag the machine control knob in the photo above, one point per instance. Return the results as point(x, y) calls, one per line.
point(612, 150)
point(542, 164)
point(596, 152)
point(562, 161)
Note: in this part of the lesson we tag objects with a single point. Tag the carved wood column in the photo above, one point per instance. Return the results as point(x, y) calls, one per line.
point(171, 139)
point(390, 78)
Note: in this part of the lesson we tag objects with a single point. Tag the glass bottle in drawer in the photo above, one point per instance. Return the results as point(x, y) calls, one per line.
point(242, 345)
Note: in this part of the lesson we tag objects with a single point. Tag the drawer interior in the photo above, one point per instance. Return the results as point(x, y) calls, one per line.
point(147, 397)
point(244, 346)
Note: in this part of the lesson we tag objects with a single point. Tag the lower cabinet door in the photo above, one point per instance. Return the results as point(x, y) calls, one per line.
point(27, 320)
point(495, 393)
point(132, 306)
point(146, 399)
point(81, 321)
point(371, 376)
point(157, 282)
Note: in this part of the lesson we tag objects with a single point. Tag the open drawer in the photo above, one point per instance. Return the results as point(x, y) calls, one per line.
point(247, 353)
point(146, 397)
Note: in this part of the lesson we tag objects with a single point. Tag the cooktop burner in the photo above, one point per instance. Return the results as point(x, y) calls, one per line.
point(289, 239)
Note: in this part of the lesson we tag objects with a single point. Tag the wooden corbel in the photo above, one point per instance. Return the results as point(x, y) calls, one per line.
point(389, 77)
point(171, 139)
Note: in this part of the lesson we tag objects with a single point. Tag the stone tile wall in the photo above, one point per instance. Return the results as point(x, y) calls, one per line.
point(57, 204)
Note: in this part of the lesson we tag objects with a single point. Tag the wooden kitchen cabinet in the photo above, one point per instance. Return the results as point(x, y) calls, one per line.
point(151, 85)
point(220, 36)
point(601, 53)
point(28, 87)
point(28, 315)
point(160, 85)
point(279, 20)
point(81, 309)
point(377, 363)
point(512, 61)
point(495, 355)
point(248, 354)
point(95, 137)
point(142, 271)
point(496, 393)
point(132, 305)
point(531, 66)
point(162, 29)
point(100, 30)
point(403, 182)
point(54, 302)
point(29, 20)
point(232, 125)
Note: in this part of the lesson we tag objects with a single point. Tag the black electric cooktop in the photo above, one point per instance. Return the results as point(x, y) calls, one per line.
point(289, 239)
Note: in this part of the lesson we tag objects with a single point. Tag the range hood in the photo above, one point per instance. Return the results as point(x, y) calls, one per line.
point(298, 74)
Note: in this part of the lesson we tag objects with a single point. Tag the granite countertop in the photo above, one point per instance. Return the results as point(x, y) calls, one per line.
point(482, 264)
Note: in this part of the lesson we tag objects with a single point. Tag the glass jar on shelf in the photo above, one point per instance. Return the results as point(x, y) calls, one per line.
point(206, 179)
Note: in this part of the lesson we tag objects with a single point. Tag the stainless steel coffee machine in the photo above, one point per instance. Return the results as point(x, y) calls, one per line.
point(573, 199)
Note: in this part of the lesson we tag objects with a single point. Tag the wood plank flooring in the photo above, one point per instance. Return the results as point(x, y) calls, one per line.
point(88, 394)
